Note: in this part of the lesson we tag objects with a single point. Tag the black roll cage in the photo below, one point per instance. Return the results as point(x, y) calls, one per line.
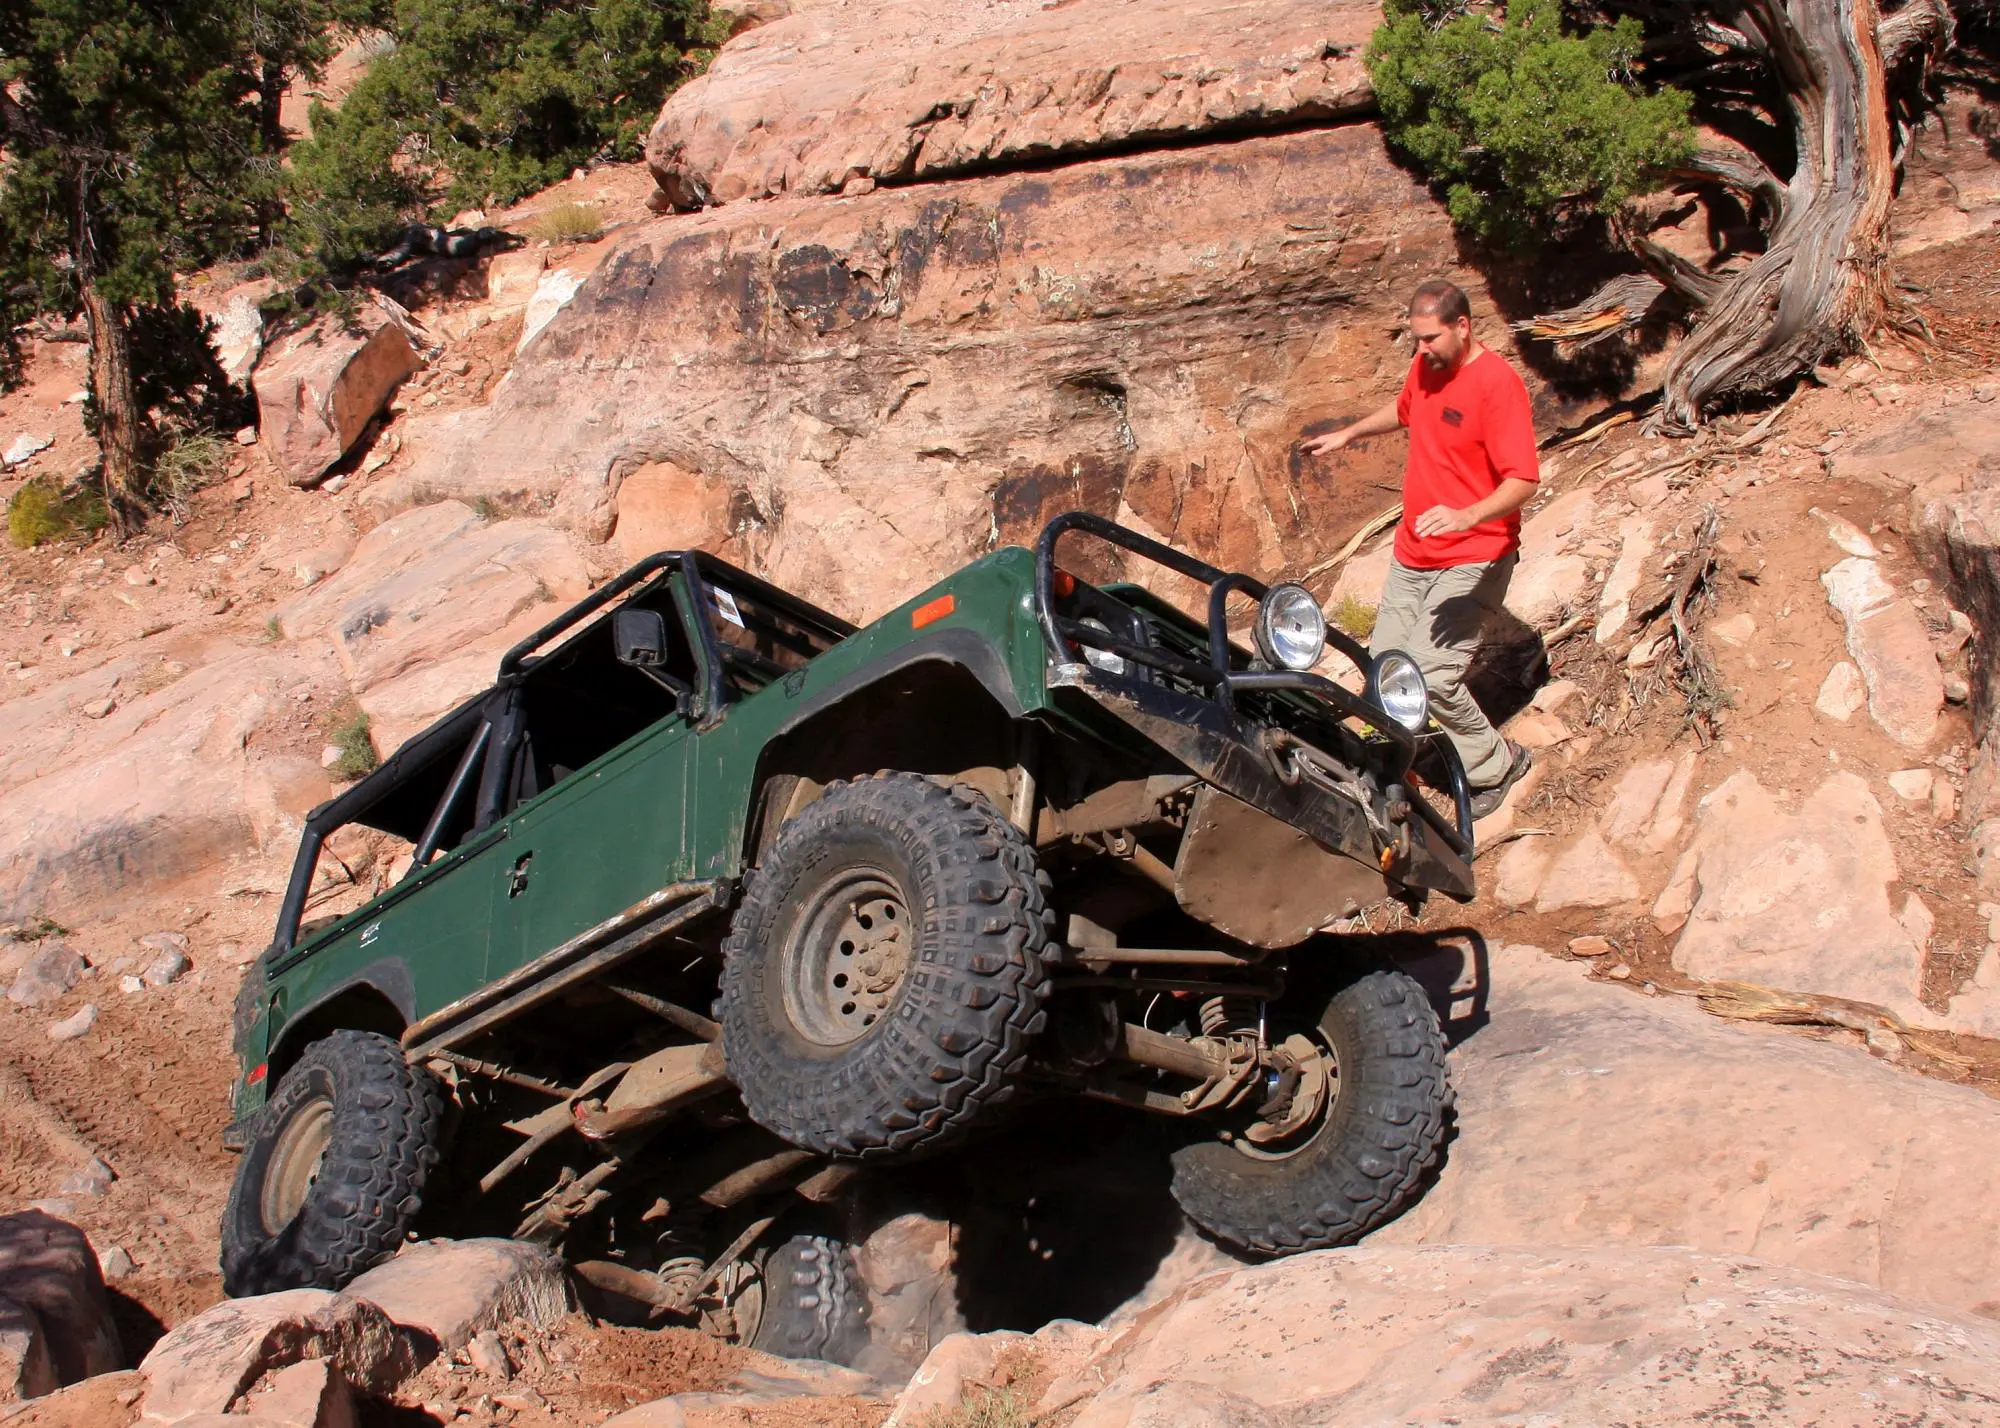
point(1217, 675)
point(488, 717)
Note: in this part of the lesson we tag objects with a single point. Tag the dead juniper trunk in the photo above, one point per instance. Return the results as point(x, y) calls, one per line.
point(1821, 285)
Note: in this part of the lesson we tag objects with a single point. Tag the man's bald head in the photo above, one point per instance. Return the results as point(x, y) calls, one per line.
point(1444, 301)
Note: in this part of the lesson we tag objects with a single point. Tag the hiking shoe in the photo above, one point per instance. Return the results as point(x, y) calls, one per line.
point(1487, 800)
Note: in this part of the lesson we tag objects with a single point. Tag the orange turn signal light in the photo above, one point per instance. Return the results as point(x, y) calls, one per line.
point(256, 1074)
point(931, 611)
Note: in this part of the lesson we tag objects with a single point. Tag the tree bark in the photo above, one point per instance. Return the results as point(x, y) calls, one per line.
point(117, 401)
point(1822, 283)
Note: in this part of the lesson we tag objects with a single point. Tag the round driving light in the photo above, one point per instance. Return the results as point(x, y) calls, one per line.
point(1399, 690)
point(1097, 658)
point(1291, 628)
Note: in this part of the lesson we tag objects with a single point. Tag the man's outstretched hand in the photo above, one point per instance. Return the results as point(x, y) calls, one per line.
point(1444, 520)
point(1327, 442)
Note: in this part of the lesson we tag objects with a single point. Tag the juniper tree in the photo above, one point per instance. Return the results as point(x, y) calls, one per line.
point(1535, 114)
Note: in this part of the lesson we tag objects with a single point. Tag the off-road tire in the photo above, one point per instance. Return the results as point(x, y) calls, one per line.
point(1381, 1135)
point(952, 1046)
point(815, 1303)
point(386, 1125)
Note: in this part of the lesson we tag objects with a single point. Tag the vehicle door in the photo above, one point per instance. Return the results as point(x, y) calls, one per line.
point(598, 814)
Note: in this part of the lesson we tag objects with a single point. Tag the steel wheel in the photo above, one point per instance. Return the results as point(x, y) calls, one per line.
point(846, 959)
point(295, 1162)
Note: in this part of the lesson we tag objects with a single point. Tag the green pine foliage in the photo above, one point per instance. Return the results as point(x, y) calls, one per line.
point(1528, 125)
point(484, 101)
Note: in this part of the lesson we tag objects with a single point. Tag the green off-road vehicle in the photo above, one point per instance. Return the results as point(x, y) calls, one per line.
point(712, 898)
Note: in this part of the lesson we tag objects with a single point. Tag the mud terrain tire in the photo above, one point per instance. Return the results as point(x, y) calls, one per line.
point(815, 1304)
point(1380, 1136)
point(334, 1173)
point(935, 1031)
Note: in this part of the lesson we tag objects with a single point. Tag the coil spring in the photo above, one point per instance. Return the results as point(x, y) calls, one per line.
point(1221, 1015)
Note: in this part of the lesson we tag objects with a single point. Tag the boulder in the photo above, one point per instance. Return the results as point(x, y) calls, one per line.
point(806, 105)
point(48, 1268)
point(1842, 694)
point(1614, 605)
point(662, 507)
point(1887, 639)
point(76, 1024)
point(962, 1365)
point(1586, 874)
point(832, 366)
point(53, 970)
point(453, 1289)
point(1483, 1334)
point(553, 289)
point(238, 334)
point(1589, 1116)
point(1550, 579)
point(319, 389)
point(206, 1363)
point(1798, 901)
point(1521, 871)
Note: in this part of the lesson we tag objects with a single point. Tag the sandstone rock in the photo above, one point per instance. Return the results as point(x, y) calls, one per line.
point(1799, 901)
point(661, 1413)
point(1548, 581)
point(435, 583)
point(1635, 549)
point(92, 1180)
point(1847, 1200)
point(102, 1402)
point(832, 364)
point(1886, 637)
point(1912, 785)
point(24, 447)
point(165, 786)
point(52, 971)
point(47, 1268)
point(74, 1025)
point(308, 1394)
point(1848, 536)
point(661, 507)
point(321, 387)
point(204, 1364)
point(511, 279)
point(1589, 946)
point(787, 108)
point(238, 335)
point(957, 1367)
point(115, 1263)
point(1587, 874)
point(488, 1356)
point(1634, 800)
point(1552, 696)
point(26, 1369)
point(165, 968)
point(451, 1290)
point(553, 290)
point(1736, 630)
point(1842, 694)
point(1532, 729)
point(1482, 1334)
point(1521, 872)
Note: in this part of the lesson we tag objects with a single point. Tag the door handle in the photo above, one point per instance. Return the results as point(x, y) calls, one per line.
point(517, 876)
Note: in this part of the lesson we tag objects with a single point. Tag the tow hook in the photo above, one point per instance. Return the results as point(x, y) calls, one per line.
point(1396, 807)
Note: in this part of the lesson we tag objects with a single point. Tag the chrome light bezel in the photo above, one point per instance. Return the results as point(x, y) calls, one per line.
point(1267, 614)
point(1396, 666)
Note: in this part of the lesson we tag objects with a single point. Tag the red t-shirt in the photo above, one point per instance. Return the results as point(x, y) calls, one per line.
point(1469, 431)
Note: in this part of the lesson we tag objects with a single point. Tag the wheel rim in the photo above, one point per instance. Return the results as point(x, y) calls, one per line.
point(847, 957)
point(295, 1161)
point(1301, 1138)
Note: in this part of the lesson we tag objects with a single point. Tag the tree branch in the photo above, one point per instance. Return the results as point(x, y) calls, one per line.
point(1743, 172)
point(1922, 26)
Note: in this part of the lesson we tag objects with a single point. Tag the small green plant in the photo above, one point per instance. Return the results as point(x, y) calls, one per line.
point(273, 631)
point(357, 749)
point(567, 223)
point(186, 467)
point(982, 1408)
point(37, 927)
point(486, 508)
point(41, 512)
point(1354, 615)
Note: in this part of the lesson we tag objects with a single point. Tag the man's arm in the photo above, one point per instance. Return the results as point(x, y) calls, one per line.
point(1379, 422)
point(1508, 497)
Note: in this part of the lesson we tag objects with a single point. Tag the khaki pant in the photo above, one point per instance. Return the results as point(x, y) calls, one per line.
point(1438, 618)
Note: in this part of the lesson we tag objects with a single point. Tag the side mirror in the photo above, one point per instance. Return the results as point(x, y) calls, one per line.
point(640, 637)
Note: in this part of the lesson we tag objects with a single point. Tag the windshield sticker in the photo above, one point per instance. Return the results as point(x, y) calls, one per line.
point(725, 605)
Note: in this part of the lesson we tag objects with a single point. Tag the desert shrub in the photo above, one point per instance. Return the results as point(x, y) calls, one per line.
point(357, 748)
point(567, 223)
point(1354, 615)
point(185, 467)
point(42, 511)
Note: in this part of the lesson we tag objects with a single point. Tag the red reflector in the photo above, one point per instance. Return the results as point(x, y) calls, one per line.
point(931, 611)
point(1064, 584)
point(256, 1074)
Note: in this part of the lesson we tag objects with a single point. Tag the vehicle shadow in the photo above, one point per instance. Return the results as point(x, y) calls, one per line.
point(1454, 967)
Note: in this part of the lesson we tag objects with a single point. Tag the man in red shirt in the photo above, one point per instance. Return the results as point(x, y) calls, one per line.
point(1472, 467)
